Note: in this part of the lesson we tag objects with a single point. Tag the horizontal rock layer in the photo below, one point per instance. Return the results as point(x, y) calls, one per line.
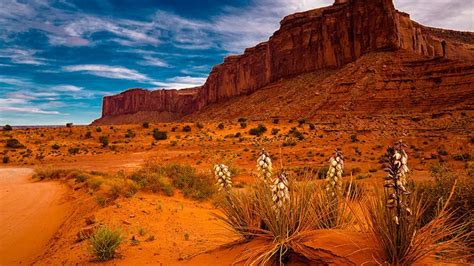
point(325, 38)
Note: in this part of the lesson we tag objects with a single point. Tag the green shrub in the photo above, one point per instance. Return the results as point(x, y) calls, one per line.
point(312, 126)
point(98, 129)
point(220, 126)
point(159, 135)
point(354, 138)
point(297, 134)
point(146, 125)
point(69, 125)
point(258, 131)
point(199, 125)
point(462, 157)
point(55, 146)
point(130, 133)
point(275, 131)
point(14, 144)
point(276, 121)
point(436, 192)
point(243, 124)
point(73, 150)
point(7, 128)
point(301, 122)
point(193, 184)
point(104, 140)
point(187, 128)
point(6, 159)
point(104, 242)
point(88, 135)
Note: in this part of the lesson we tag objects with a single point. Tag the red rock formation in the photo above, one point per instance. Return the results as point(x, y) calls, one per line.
point(136, 100)
point(325, 38)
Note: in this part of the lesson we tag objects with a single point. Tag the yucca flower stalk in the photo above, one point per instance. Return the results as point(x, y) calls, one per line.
point(264, 166)
point(401, 158)
point(395, 181)
point(334, 174)
point(223, 176)
point(280, 191)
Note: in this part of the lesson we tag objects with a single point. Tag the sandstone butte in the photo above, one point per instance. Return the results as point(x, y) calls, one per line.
point(362, 56)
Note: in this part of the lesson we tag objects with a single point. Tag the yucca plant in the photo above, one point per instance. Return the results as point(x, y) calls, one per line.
point(330, 204)
point(287, 226)
point(239, 213)
point(393, 220)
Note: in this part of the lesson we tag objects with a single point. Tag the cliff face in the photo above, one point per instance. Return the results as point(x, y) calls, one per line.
point(325, 38)
point(135, 100)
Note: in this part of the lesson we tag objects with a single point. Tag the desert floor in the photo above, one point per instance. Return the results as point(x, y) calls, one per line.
point(40, 220)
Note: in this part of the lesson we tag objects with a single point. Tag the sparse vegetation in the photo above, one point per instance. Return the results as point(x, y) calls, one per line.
point(146, 125)
point(159, 135)
point(104, 242)
point(187, 128)
point(14, 144)
point(7, 128)
point(258, 131)
point(104, 140)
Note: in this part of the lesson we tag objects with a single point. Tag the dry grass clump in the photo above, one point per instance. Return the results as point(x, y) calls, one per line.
point(104, 242)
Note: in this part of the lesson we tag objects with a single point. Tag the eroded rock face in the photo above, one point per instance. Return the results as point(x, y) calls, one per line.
point(325, 38)
point(136, 100)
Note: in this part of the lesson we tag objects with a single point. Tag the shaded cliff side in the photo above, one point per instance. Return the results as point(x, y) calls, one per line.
point(321, 39)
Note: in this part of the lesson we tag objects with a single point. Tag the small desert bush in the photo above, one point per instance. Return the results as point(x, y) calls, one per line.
point(130, 133)
point(159, 135)
point(104, 242)
point(6, 159)
point(437, 191)
point(73, 150)
point(153, 181)
point(146, 125)
point(258, 131)
point(193, 184)
point(55, 146)
point(14, 144)
point(7, 128)
point(187, 128)
point(104, 140)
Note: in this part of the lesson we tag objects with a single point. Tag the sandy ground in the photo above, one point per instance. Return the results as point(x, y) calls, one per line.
point(31, 212)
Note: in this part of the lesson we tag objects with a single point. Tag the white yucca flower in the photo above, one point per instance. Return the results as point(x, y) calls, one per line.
point(264, 165)
point(401, 160)
point(334, 174)
point(223, 176)
point(280, 192)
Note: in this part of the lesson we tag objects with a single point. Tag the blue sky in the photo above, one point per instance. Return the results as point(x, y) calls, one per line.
point(59, 58)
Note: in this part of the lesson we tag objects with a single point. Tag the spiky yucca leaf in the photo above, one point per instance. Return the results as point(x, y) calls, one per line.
point(239, 213)
point(405, 243)
point(287, 228)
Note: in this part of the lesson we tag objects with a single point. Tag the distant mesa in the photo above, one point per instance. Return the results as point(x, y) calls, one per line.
point(411, 67)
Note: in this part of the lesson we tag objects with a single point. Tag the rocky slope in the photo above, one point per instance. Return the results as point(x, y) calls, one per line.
point(322, 42)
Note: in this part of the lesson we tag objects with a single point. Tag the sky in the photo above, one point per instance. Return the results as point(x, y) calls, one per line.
point(59, 58)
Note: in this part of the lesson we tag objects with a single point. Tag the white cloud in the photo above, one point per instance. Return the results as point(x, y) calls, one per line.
point(22, 56)
point(66, 88)
point(153, 61)
point(114, 72)
point(31, 110)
